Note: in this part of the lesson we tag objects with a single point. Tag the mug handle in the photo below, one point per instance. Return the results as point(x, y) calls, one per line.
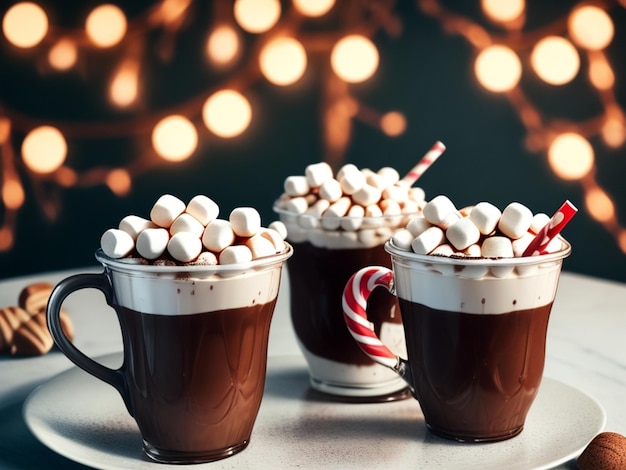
point(354, 302)
point(114, 377)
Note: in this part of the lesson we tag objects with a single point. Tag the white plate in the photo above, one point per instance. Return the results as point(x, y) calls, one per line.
point(85, 420)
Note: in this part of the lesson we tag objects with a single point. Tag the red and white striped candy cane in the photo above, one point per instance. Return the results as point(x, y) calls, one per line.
point(354, 301)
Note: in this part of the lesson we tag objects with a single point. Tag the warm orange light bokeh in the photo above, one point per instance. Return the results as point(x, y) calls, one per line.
point(503, 10)
point(283, 61)
point(257, 16)
point(591, 27)
point(354, 58)
point(44, 149)
point(498, 68)
point(223, 45)
point(555, 60)
point(313, 8)
point(106, 25)
point(174, 138)
point(63, 54)
point(570, 156)
point(227, 113)
point(25, 24)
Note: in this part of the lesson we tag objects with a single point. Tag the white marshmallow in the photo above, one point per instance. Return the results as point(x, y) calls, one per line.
point(298, 205)
point(373, 217)
point(428, 240)
point(367, 195)
point(134, 225)
point(152, 242)
point(497, 247)
point(311, 218)
point(203, 208)
point(348, 168)
point(417, 194)
point(409, 207)
point(275, 238)
point(354, 218)
point(390, 174)
point(296, 186)
point(245, 221)
point(235, 254)
point(443, 250)
point(317, 173)
point(166, 209)
point(331, 218)
point(462, 234)
point(397, 193)
point(377, 181)
point(417, 225)
point(218, 235)
point(485, 216)
point(330, 190)
point(437, 209)
point(279, 227)
point(515, 220)
point(187, 223)
point(450, 220)
point(390, 209)
point(520, 244)
point(116, 243)
point(539, 221)
point(184, 246)
point(473, 251)
point(206, 258)
point(351, 181)
point(466, 211)
point(260, 246)
point(402, 239)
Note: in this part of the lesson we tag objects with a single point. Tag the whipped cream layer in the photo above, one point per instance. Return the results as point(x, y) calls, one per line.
point(478, 286)
point(176, 290)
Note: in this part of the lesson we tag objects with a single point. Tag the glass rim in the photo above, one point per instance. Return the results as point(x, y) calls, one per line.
point(564, 252)
point(259, 263)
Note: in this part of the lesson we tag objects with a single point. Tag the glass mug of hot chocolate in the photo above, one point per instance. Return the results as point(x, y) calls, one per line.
point(475, 325)
point(194, 323)
point(338, 223)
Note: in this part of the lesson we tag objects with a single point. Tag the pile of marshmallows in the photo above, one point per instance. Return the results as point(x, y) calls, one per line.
point(480, 231)
point(349, 201)
point(192, 233)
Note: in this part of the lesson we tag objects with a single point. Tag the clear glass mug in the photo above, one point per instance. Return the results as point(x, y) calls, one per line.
point(325, 256)
point(195, 344)
point(475, 334)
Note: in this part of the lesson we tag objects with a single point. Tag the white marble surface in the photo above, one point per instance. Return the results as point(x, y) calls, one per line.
point(586, 349)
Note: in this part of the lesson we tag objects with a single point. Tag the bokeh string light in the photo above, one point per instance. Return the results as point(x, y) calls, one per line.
point(279, 55)
point(553, 54)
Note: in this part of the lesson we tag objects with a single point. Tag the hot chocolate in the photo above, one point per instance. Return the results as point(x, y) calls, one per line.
point(204, 372)
point(475, 374)
point(316, 300)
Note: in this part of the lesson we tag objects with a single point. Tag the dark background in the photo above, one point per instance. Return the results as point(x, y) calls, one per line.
point(425, 73)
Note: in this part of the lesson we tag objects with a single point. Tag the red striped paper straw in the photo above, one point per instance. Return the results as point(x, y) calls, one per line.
point(560, 218)
point(428, 159)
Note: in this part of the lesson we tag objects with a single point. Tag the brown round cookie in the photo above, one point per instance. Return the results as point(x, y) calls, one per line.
point(10, 320)
point(607, 451)
point(34, 297)
point(32, 338)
